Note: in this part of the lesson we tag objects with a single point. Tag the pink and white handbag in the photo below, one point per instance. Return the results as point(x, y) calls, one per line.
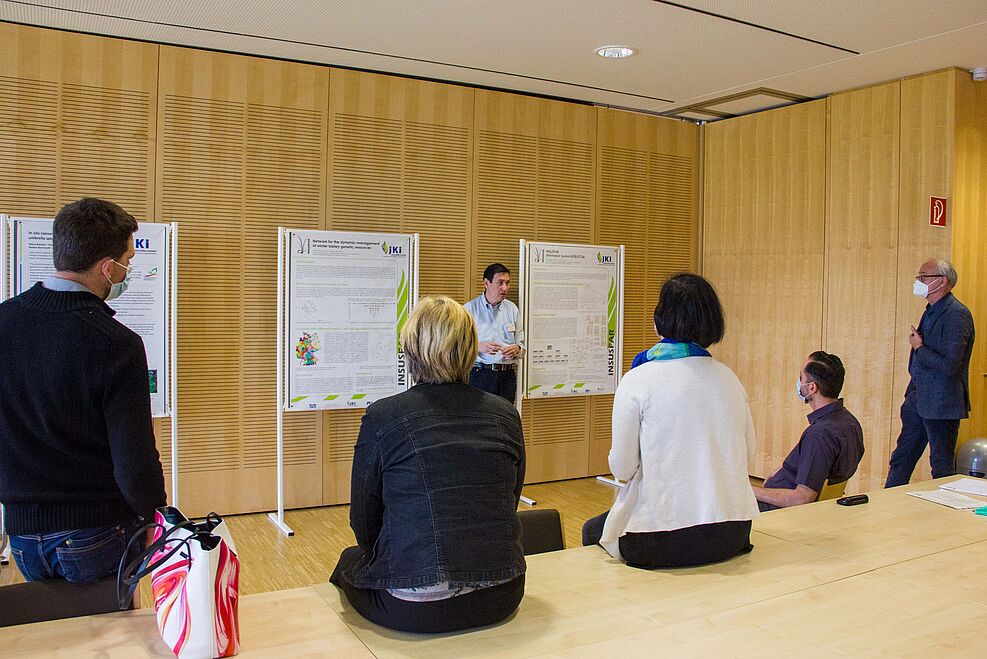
point(194, 580)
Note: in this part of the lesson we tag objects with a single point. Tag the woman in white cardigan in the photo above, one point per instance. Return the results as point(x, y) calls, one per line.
point(682, 439)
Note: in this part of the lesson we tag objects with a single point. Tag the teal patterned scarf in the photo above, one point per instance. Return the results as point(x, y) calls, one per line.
point(671, 349)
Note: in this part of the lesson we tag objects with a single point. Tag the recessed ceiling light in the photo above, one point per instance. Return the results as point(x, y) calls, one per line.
point(617, 52)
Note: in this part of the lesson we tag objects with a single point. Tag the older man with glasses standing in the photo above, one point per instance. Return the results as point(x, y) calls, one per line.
point(938, 395)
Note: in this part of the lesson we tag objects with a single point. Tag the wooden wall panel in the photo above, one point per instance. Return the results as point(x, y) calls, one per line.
point(862, 261)
point(969, 221)
point(600, 434)
point(647, 190)
point(77, 119)
point(399, 160)
point(647, 178)
point(341, 430)
point(28, 145)
point(535, 165)
point(506, 181)
point(763, 245)
point(284, 185)
point(624, 193)
point(926, 163)
point(232, 147)
point(241, 143)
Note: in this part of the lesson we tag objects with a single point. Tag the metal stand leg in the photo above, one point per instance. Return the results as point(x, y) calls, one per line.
point(609, 481)
point(278, 522)
point(528, 501)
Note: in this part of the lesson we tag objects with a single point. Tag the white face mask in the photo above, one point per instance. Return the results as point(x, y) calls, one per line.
point(798, 389)
point(920, 288)
point(119, 288)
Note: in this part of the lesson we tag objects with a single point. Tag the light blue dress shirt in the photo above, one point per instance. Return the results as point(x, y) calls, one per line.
point(53, 283)
point(495, 323)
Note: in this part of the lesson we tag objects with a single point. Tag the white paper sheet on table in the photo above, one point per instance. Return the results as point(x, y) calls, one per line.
point(947, 498)
point(976, 486)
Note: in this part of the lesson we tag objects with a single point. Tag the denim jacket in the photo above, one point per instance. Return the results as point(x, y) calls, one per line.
point(437, 475)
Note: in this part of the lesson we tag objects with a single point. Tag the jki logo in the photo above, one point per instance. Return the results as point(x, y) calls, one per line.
point(390, 249)
point(604, 258)
point(142, 243)
point(304, 245)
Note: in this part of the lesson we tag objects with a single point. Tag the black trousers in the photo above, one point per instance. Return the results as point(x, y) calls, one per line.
point(476, 609)
point(687, 547)
point(498, 383)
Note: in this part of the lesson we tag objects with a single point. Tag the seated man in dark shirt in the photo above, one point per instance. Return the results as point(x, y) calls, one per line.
point(829, 449)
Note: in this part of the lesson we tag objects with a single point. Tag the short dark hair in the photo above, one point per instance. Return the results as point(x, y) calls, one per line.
point(89, 230)
point(688, 310)
point(493, 270)
point(827, 372)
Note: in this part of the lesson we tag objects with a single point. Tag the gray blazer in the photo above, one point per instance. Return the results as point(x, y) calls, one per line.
point(940, 368)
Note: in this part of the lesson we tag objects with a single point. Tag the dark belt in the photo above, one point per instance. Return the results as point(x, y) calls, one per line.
point(494, 367)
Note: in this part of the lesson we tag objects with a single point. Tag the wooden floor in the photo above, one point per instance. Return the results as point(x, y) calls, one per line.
point(270, 561)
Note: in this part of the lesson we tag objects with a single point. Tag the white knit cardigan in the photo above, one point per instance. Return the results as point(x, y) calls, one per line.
point(683, 439)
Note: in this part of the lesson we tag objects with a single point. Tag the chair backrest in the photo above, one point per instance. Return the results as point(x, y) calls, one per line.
point(35, 601)
point(832, 491)
point(541, 530)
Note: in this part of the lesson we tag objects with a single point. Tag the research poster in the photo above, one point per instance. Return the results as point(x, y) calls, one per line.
point(143, 307)
point(572, 301)
point(348, 296)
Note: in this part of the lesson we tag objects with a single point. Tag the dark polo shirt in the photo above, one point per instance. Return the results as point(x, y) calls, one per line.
point(829, 449)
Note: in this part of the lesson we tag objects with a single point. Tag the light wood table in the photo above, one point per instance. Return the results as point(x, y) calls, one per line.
point(895, 577)
point(889, 529)
point(579, 596)
point(934, 606)
point(860, 580)
point(294, 623)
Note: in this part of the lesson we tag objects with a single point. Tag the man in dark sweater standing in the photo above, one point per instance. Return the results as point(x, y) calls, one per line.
point(79, 471)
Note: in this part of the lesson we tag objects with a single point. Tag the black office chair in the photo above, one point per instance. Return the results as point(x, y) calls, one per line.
point(541, 530)
point(36, 601)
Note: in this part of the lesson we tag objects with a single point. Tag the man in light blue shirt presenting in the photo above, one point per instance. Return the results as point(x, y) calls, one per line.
point(499, 332)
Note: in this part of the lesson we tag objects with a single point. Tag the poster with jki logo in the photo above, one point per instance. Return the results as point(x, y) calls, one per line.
point(143, 307)
point(572, 302)
point(348, 296)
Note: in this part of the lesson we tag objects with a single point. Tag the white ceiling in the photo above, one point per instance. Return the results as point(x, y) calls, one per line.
point(689, 51)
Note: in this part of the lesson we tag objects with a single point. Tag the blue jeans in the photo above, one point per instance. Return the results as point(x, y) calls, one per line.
point(916, 432)
point(78, 556)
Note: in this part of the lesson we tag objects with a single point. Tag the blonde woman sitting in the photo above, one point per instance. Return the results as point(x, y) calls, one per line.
point(437, 475)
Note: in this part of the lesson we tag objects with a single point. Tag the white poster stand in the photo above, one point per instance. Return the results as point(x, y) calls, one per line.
point(572, 301)
point(150, 308)
point(342, 300)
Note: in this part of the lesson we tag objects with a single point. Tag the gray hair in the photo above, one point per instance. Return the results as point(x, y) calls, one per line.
point(946, 268)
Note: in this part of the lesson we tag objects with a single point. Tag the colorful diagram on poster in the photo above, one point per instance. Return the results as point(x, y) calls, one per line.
point(306, 348)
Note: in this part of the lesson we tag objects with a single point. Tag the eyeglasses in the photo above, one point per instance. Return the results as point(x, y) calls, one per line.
point(922, 277)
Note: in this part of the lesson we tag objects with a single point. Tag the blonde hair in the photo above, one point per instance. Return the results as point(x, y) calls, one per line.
point(439, 341)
